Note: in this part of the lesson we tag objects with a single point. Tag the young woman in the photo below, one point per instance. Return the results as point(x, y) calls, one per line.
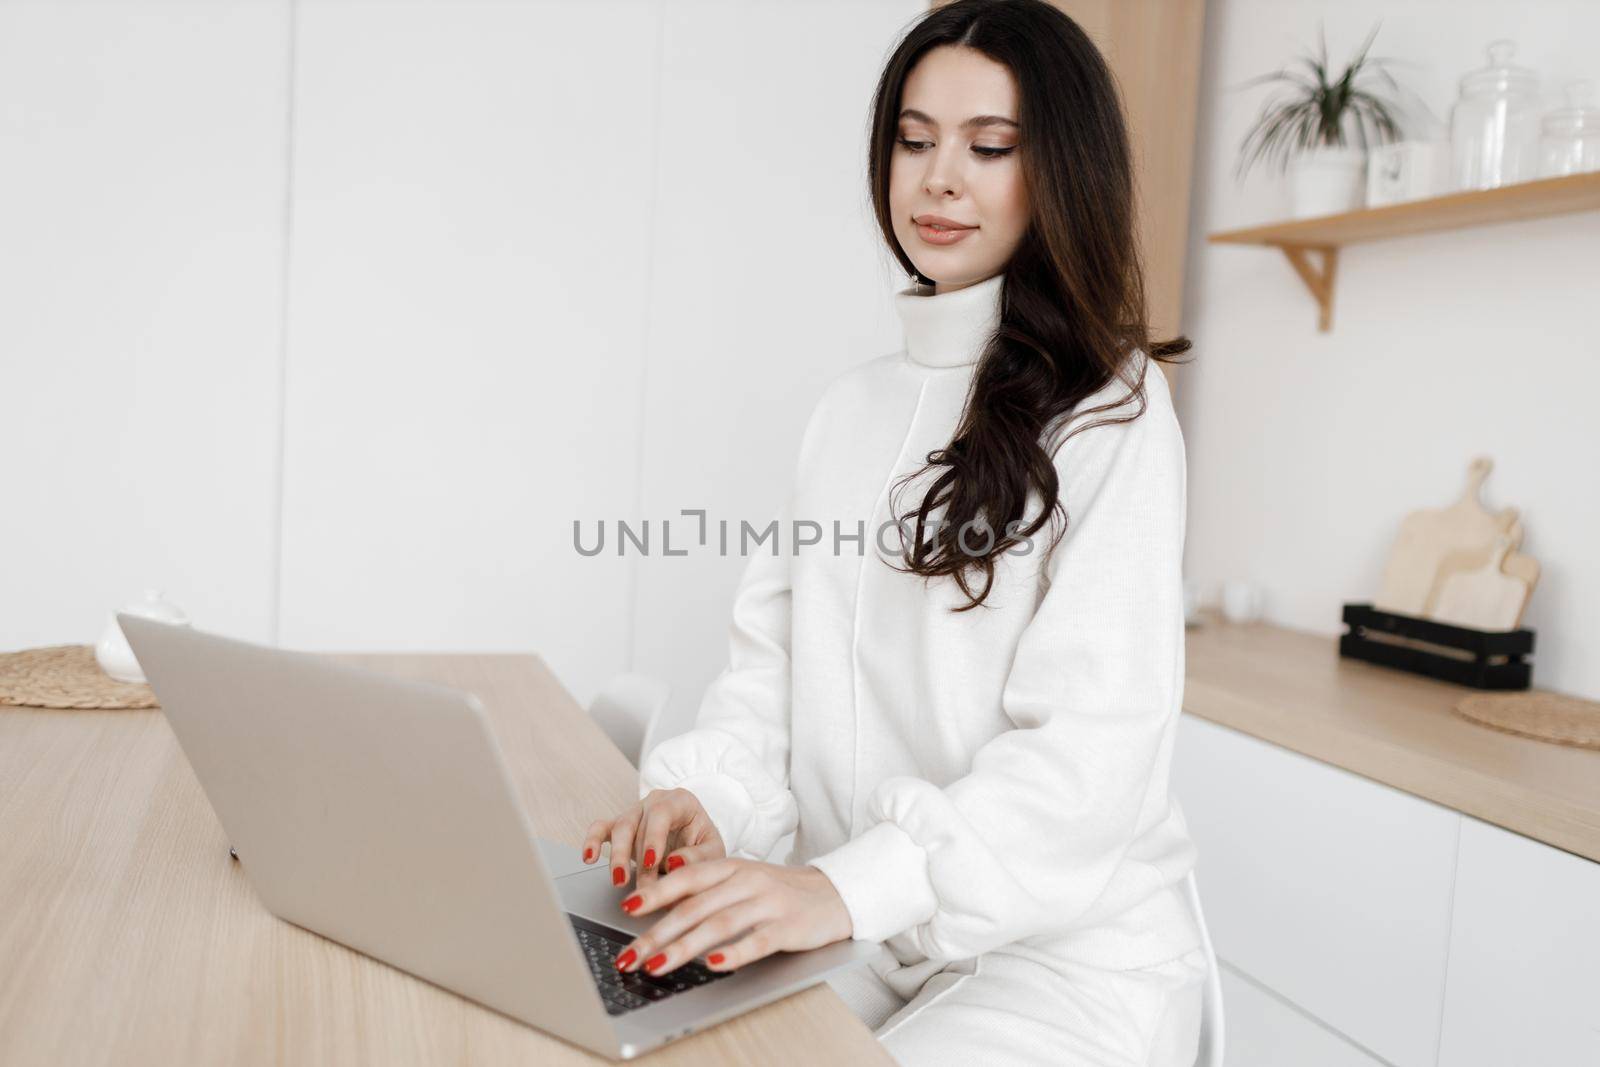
point(970, 733)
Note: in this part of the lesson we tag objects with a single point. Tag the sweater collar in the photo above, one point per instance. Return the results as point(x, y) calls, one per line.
point(949, 329)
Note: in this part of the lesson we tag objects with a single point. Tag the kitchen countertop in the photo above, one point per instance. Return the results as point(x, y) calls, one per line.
point(1294, 689)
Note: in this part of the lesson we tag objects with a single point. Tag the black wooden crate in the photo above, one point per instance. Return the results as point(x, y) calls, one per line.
point(1494, 660)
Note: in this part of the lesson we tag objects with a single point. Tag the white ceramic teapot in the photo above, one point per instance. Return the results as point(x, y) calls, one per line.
point(113, 653)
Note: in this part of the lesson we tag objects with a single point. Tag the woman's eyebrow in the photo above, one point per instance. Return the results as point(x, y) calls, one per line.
point(972, 123)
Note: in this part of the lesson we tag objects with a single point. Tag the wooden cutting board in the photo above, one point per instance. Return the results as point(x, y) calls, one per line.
point(1517, 564)
point(1427, 536)
point(1486, 598)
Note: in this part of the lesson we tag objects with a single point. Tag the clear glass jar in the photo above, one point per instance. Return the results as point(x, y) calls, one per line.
point(1570, 143)
point(1494, 125)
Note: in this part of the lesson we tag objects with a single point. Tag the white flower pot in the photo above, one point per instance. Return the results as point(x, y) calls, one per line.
point(1327, 181)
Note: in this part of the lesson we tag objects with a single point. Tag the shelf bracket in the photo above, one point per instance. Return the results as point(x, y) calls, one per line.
point(1319, 282)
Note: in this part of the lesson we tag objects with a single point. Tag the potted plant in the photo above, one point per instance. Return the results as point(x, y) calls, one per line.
point(1306, 130)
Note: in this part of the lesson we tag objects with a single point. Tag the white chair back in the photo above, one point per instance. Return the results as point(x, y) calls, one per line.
point(628, 708)
point(1211, 1023)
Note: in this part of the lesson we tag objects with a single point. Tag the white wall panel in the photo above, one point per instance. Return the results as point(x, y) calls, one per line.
point(141, 230)
point(472, 189)
point(768, 278)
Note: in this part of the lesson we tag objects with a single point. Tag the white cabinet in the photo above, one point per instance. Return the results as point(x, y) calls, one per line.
point(1358, 924)
point(1263, 1031)
point(1524, 978)
point(1329, 888)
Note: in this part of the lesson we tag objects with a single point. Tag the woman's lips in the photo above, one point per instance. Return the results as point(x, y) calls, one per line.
point(935, 235)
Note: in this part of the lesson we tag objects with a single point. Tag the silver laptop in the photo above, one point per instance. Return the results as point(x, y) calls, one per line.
point(379, 812)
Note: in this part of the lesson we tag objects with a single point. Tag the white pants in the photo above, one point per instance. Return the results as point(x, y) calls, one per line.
point(1004, 1009)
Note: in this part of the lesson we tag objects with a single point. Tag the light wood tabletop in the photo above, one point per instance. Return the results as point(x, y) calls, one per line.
point(129, 937)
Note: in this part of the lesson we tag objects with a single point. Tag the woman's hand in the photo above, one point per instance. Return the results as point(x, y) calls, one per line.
point(667, 826)
point(782, 908)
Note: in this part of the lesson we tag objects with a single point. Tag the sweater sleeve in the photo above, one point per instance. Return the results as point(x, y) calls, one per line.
point(736, 757)
point(1027, 841)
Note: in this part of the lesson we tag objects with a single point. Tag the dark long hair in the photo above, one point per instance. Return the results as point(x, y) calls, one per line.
point(1072, 300)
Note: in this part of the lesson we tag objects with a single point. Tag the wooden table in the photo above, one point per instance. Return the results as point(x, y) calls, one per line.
point(128, 936)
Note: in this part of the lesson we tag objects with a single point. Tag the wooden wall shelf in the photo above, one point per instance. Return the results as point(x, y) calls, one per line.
point(1324, 235)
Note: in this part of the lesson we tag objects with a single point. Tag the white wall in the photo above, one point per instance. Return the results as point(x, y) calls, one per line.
point(329, 318)
point(768, 278)
point(1307, 449)
point(141, 244)
point(470, 184)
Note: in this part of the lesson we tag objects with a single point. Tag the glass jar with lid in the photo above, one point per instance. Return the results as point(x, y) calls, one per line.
point(1570, 141)
point(1494, 125)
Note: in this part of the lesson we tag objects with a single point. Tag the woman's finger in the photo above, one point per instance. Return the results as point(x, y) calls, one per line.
point(693, 854)
point(686, 881)
point(704, 832)
point(623, 832)
point(716, 929)
point(653, 840)
point(675, 841)
point(763, 940)
point(593, 838)
point(689, 913)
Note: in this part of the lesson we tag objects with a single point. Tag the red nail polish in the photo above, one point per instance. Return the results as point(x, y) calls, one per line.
point(655, 961)
point(673, 863)
point(715, 957)
point(649, 857)
point(588, 854)
point(618, 876)
point(625, 959)
point(632, 902)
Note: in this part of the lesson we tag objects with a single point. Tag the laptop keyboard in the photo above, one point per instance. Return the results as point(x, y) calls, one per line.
point(627, 991)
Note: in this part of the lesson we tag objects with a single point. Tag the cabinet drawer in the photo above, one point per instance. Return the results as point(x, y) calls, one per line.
point(1331, 889)
point(1524, 981)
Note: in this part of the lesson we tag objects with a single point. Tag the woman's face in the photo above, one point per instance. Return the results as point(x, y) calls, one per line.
point(956, 156)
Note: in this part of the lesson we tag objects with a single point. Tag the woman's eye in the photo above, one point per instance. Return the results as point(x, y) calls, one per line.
point(986, 151)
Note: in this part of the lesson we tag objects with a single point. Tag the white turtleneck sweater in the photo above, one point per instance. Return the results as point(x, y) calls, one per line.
point(976, 779)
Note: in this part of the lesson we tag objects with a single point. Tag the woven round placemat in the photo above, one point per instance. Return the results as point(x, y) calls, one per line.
point(1547, 716)
point(66, 676)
